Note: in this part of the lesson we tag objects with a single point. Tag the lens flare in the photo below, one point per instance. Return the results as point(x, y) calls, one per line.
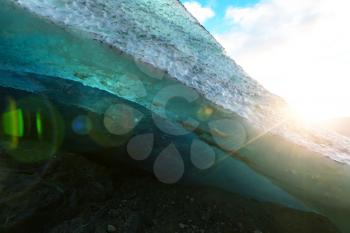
point(82, 125)
point(12, 121)
point(39, 125)
point(32, 129)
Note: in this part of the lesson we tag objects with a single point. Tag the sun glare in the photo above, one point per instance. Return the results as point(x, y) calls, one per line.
point(298, 50)
point(309, 114)
point(318, 109)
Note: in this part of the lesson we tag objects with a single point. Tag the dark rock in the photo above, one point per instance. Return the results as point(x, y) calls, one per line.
point(138, 204)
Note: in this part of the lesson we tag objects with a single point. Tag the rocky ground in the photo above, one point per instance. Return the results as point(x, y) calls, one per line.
point(75, 195)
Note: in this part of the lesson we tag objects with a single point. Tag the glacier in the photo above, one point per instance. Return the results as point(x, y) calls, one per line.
point(87, 54)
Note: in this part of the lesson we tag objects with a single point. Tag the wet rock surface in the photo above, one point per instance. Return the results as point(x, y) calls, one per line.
point(73, 194)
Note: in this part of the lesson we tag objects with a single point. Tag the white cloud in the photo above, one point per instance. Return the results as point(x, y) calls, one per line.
point(299, 49)
point(200, 12)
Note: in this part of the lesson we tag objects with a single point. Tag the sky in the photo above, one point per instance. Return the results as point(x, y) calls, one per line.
point(298, 49)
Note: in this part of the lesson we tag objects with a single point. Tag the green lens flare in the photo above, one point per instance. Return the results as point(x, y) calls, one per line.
point(13, 124)
point(31, 129)
point(39, 125)
point(20, 122)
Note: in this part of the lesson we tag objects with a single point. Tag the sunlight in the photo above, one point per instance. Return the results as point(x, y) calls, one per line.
point(311, 114)
point(315, 104)
point(298, 50)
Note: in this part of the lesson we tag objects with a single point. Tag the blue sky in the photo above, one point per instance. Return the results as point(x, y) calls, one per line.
point(217, 24)
point(298, 49)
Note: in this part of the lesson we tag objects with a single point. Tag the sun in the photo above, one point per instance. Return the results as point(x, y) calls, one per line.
point(310, 114)
point(316, 111)
point(315, 101)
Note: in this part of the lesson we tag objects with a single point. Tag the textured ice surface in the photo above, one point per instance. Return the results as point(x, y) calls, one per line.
point(162, 33)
